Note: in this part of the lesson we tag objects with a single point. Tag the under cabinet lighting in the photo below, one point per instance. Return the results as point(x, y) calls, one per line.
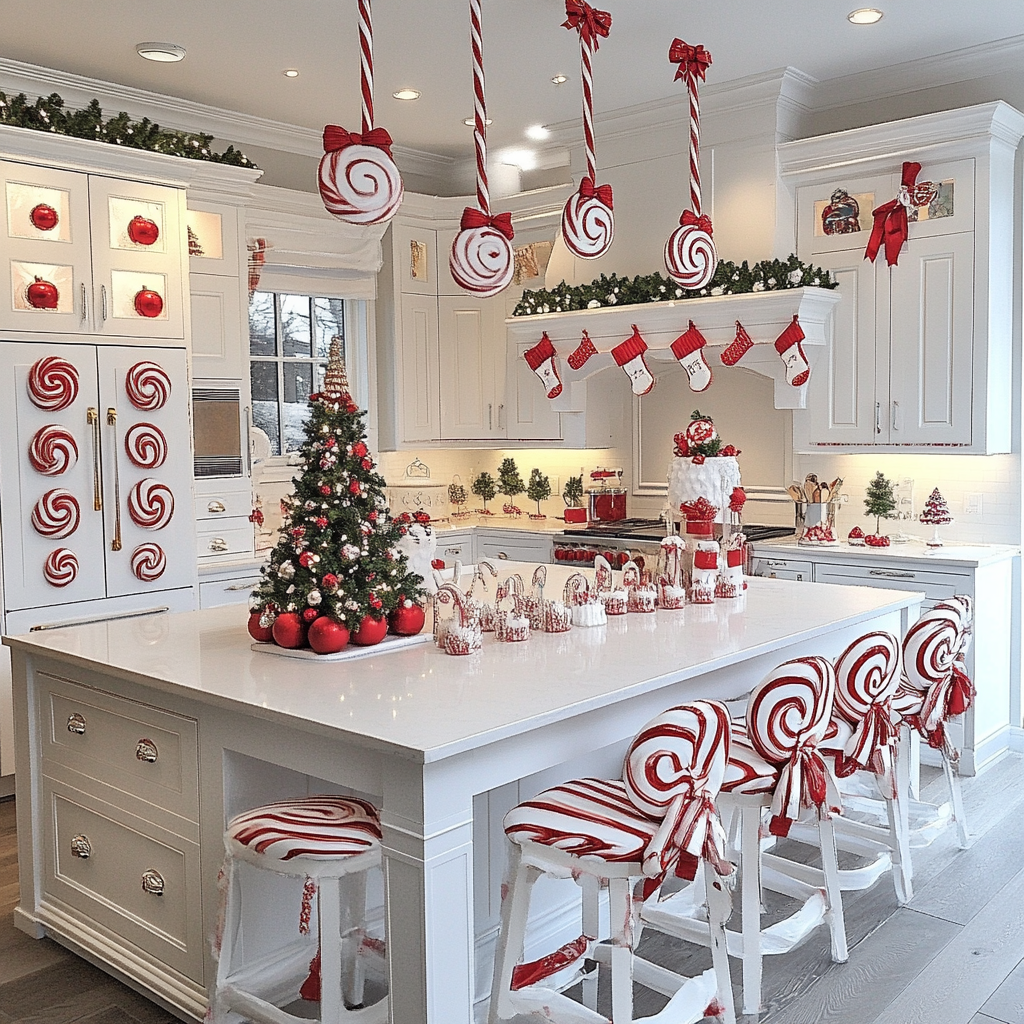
point(163, 53)
point(865, 16)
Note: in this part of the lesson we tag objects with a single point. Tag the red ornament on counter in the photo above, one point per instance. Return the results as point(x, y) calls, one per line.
point(143, 231)
point(408, 618)
point(148, 303)
point(327, 636)
point(370, 631)
point(856, 538)
point(42, 294)
point(43, 217)
point(289, 630)
point(263, 634)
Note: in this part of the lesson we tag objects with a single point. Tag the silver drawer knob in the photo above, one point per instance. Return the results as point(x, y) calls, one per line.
point(81, 847)
point(145, 750)
point(218, 544)
point(216, 506)
point(153, 882)
point(76, 724)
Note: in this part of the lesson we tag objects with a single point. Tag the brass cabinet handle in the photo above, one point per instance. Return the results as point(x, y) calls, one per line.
point(145, 750)
point(81, 847)
point(153, 882)
point(92, 417)
point(218, 544)
point(115, 544)
point(216, 506)
point(76, 724)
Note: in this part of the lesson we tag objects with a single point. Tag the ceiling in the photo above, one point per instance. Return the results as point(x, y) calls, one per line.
point(237, 51)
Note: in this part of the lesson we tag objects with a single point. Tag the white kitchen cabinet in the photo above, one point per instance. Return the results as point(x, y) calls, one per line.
point(513, 545)
point(109, 253)
point(456, 545)
point(528, 413)
point(416, 351)
point(219, 327)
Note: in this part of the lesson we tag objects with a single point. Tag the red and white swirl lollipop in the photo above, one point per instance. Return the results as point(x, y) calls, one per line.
point(150, 504)
point(929, 648)
point(145, 445)
point(358, 178)
point(52, 450)
point(52, 383)
point(147, 386)
point(790, 706)
point(56, 514)
point(148, 562)
point(481, 260)
point(690, 254)
point(588, 224)
point(61, 567)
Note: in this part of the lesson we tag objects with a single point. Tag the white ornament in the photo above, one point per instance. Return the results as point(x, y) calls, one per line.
point(313, 597)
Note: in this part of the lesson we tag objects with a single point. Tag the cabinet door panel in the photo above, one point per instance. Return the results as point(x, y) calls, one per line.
point(530, 415)
point(415, 259)
point(932, 344)
point(219, 326)
point(472, 364)
point(836, 214)
point(418, 398)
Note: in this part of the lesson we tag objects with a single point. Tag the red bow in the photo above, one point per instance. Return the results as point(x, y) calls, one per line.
point(692, 60)
point(591, 24)
point(588, 190)
point(689, 218)
point(474, 218)
point(891, 221)
point(336, 138)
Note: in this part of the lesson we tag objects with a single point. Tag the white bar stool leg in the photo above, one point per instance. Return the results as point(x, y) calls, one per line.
point(620, 913)
point(515, 909)
point(332, 1005)
point(591, 890)
point(830, 863)
point(902, 873)
point(229, 937)
point(750, 889)
point(353, 919)
point(719, 903)
point(957, 799)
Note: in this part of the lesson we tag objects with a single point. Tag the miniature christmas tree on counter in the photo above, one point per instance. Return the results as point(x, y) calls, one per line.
point(935, 513)
point(510, 483)
point(335, 572)
point(485, 488)
point(880, 503)
point(538, 490)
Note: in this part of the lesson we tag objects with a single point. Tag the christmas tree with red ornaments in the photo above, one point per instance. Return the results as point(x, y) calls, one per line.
point(335, 574)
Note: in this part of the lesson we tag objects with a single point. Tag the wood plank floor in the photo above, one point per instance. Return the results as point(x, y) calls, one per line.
point(954, 955)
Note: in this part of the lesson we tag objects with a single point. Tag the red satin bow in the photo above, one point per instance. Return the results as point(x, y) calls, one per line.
point(692, 60)
point(474, 218)
point(336, 138)
point(689, 218)
point(591, 24)
point(588, 190)
point(891, 221)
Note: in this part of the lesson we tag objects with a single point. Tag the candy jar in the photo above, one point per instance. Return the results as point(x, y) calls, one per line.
point(587, 609)
point(671, 591)
point(705, 572)
point(642, 595)
point(730, 573)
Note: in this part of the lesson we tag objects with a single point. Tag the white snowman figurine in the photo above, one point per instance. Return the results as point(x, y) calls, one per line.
point(419, 545)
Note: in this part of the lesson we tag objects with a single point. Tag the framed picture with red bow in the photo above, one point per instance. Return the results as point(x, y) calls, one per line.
point(940, 206)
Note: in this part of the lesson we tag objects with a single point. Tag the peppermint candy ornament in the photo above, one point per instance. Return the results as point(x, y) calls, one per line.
point(52, 383)
point(145, 445)
point(53, 450)
point(56, 514)
point(61, 567)
point(148, 562)
point(147, 386)
point(700, 431)
point(150, 504)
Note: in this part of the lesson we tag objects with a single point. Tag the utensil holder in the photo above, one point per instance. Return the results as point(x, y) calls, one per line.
point(816, 521)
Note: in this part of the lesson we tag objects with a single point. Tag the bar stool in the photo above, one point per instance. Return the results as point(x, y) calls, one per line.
point(330, 842)
point(658, 819)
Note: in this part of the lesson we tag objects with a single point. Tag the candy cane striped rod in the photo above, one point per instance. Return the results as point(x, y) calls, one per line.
point(691, 83)
point(586, 56)
point(366, 62)
point(479, 108)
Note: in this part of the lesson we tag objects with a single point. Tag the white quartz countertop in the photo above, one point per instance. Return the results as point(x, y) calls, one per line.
point(965, 555)
point(426, 705)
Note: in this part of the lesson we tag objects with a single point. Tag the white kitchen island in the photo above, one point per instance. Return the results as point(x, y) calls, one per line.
point(443, 745)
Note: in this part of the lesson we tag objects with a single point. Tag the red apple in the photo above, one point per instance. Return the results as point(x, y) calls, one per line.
point(370, 631)
point(407, 619)
point(43, 217)
point(148, 303)
point(289, 630)
point(143, 231)
point(327, 636)
point(42, 294)
point(264, 634)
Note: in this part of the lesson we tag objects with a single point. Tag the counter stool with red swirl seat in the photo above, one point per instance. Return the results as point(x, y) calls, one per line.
point(659, 819)
point(325, 845)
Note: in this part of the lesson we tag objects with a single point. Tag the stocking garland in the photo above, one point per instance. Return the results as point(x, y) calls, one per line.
point(629, 354)
point(688, 349)
point(481, 260)
point(739, 346)
point(358, 179)
point(583, 351)
point(798, 370)
point(541, 359)
point(587, 221)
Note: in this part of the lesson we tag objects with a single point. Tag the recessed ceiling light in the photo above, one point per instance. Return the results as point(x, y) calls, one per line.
point(290, 73)
point(164, 53)
point(407, 94)
point(471, 123)
point(559, 79)
point(537, 132)
point(524, 159)
point(865, 16)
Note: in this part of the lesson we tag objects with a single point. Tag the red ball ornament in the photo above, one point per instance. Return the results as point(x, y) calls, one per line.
point(327, 636)
point(143, 231)
point(148, 303)
point(407, 619)
point(310, 614)
point(43, 217)
point(42, 294)
point(359, 449)
point(370, 631)
point(289, 630)
point(264, 634)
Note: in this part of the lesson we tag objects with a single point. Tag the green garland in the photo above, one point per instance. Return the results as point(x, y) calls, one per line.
point(729, 279)
point(50, 115)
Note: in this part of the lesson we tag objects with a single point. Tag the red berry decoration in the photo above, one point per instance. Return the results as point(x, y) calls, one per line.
point(143, 231)
point(147, 303)
point(407, 619)
point(42, 294)
point(289, 630)
point(309, 614)
point(43, 217)
point(370, 631)
point(264, 634)
point(327, 636)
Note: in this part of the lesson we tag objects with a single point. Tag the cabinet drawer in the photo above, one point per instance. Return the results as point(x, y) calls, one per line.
point(451, 546)
point(782, 568)
point(517, 549)
point(935, 585)
point(224, 503)
point(221, 592)
point(231, 537)
point(140, 750)
point(126, 874)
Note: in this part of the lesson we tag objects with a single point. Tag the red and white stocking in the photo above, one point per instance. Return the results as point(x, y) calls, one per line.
point(583, 351)
point(542, 361)
point(688, 349)
point(739, 346)
point(788, 346)
point(630, 356)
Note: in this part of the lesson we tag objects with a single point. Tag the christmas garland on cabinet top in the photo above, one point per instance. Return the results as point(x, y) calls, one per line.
point(729, 279)
point(48, 114)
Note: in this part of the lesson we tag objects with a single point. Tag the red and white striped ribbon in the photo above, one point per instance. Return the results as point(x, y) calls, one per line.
point(483, 198)
point(691, 88)
point(366, 62)
point(586, 56)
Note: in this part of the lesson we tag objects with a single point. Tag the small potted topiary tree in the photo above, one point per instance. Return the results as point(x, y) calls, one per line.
point(510, 483)
point(485, 488)
point(538, 490)
point(572, 495)
point(880, 503)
